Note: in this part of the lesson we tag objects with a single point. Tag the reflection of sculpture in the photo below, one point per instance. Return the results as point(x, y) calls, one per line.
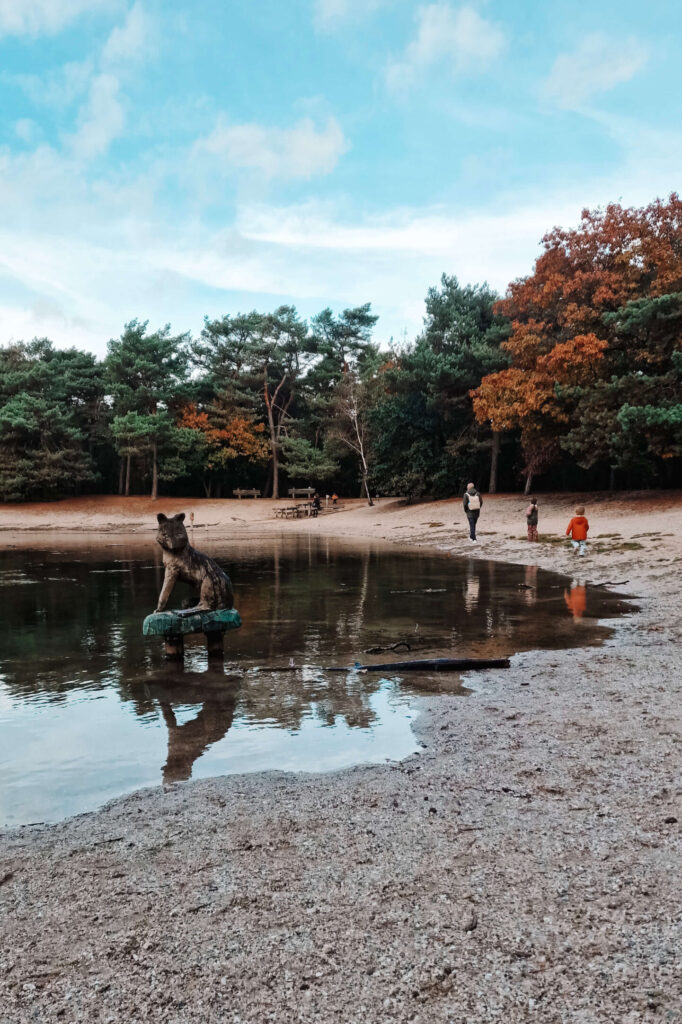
point(187, 742)
point(212, 692)
point(182, 562)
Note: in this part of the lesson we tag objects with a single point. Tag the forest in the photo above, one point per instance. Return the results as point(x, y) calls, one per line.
point(573, 379)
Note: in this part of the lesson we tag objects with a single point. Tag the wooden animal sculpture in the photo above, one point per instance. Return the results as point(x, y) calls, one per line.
point(182, 562)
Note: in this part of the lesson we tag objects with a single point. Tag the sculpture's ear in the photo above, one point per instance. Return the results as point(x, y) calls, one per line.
point(161, 518)
point(180, 516)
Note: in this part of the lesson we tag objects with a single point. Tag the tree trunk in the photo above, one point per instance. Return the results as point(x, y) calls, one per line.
point(612, 478)
point(127, 476)
point(365, 484)
point(494, 460)
point(155, 473)
point(275, 471)
point(529, 484)
point(273, 440)
point(121, 476)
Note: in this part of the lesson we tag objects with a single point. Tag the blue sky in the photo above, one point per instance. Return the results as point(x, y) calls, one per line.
point(165, 160)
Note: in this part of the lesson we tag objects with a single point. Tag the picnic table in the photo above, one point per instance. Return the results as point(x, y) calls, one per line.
point(295, 511)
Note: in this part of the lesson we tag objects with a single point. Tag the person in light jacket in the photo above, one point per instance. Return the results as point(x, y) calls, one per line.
point(472, 507)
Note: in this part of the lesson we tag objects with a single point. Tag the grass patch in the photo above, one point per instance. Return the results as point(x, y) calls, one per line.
point(601, 535)
point(433, 524)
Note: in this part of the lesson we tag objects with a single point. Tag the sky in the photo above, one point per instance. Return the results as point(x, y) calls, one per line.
point(168, 160)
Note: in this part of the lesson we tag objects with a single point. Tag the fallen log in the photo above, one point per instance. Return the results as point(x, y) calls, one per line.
point(421, 665)
point(428, 665)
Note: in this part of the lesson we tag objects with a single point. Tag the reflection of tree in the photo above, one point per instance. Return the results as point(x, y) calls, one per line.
point(289, 697)
point(78, 626)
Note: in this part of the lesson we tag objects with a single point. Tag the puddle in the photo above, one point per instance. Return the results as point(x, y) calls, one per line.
point(89, 709)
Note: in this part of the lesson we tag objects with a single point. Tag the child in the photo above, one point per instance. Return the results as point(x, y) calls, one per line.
point(577, 530)
point(532, 519)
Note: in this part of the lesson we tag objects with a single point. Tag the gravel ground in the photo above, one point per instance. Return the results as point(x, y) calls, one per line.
point(524, 866)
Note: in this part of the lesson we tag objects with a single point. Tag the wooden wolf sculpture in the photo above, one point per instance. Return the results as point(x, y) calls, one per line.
point(182, 562)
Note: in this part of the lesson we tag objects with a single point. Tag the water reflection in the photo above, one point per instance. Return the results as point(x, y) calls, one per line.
point(89, 708)
point(576, 599)
point(211, 713)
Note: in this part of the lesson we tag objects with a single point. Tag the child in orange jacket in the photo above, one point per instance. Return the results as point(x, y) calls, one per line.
point(577, 530)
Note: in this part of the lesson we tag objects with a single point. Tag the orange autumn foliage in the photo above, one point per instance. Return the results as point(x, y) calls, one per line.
point(511, 397)
point(227, 437)
point(558, 335)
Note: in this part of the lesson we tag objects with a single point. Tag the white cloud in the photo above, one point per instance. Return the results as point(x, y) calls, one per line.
point(58, 88)
point(301, 152)
point(331, 14)
point(461, 39)
point(35, 17)
point(596, 65)
point(128, 42)
point(101, 120)
point(80, 253)
point(27, 130)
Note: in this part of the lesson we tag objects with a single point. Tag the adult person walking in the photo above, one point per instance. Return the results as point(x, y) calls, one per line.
point(472, 506)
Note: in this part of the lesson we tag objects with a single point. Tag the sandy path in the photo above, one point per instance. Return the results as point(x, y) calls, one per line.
point(524, 866)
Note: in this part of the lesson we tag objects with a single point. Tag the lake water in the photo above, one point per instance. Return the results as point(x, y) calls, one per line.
point(89, 708)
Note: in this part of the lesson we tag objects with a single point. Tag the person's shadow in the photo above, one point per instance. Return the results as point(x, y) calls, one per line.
point(217, 695)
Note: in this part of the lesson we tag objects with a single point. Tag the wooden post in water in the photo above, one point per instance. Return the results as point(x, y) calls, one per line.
point(214, 646)
point(174, 645)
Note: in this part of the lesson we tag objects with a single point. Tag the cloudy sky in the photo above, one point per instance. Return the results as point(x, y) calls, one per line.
point(168, 159)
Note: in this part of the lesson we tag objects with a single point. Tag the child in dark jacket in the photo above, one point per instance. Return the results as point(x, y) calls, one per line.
point(532, 519)
point(577, 530)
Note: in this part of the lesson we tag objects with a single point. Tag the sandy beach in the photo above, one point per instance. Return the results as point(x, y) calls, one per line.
point(523, 866)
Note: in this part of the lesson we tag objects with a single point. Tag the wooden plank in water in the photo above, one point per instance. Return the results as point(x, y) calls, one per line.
point(420, 665)
point(432, 665)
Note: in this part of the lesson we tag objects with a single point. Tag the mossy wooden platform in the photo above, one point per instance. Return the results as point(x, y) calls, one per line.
point(174, 628)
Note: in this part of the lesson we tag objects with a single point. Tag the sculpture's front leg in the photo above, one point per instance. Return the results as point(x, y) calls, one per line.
point(166, 590)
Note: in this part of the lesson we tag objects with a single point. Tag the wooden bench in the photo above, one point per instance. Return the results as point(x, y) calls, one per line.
point(244, 493)
point(302, 492)
point(174, 628)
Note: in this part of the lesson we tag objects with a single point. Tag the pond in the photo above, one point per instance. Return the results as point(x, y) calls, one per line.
point(89, 708)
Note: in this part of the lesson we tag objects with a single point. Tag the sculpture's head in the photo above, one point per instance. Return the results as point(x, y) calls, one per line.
point(172, 534)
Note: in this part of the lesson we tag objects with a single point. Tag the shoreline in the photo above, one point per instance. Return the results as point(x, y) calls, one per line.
point(520, 866)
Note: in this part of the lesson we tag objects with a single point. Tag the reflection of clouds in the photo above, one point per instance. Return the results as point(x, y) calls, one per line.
point(316, 747)
point(315, 602)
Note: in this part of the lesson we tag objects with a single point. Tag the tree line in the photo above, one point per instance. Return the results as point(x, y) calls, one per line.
point(575, 376)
